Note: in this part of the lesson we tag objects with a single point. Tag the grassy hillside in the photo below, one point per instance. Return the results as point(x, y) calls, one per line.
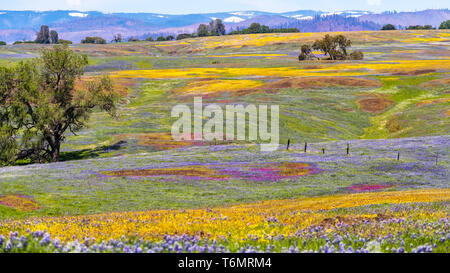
point(391, 110)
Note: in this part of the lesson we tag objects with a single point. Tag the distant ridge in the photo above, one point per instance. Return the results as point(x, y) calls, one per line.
point(75, 25)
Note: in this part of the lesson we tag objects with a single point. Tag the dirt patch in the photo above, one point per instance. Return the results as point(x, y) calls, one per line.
point(435, 83)
point(210, 87)
point(311, 67)
point(414, 72)
point(159, 141)
point(374, 103)
point(183, 171)
point(19, 202)
point(394, 125)
point(262, 172)
point(318, 82)
point(434, 101)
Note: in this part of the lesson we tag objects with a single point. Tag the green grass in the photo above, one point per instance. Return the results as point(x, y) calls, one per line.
point(406, 92)
point(313, 115)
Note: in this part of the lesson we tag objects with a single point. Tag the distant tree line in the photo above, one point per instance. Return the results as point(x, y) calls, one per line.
point(217, 28)
point(443, 25)
point(258, 28)
point(45, 36)
point(329, 24)
point(418, 27)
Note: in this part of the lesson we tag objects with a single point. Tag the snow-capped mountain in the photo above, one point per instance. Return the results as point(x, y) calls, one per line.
point(75, 25)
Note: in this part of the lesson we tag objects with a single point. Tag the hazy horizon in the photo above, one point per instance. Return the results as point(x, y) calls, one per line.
point(223, 11)
point(178, 7)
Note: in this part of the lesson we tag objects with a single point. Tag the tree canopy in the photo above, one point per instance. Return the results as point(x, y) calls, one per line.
point(45, 36)
point(445, 25)
point(388, 27)
point(202, 30)
point(216, 27)
point(41, 100)
point(117, 38)
point(333, 46)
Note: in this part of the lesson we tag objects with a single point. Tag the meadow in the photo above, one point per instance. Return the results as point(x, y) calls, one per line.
point(124, 185)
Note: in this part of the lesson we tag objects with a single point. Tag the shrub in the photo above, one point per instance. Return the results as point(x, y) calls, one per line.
point(150, 39)
point(64, 42)
point(2, 43)
point(356, 55)
point(184, 36)
point(161, 38)
point(93, 40)
point(306, 53)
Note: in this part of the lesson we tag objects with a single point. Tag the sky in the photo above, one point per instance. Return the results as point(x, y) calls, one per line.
point(207, 6)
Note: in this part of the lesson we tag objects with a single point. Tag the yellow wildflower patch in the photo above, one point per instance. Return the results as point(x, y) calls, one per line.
point(332, 69)
point(215, 86)
point(234, 222)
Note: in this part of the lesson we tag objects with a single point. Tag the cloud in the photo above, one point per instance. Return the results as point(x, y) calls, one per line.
point(373, 2)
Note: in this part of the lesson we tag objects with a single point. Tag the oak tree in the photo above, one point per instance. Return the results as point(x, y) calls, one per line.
point(41, 101)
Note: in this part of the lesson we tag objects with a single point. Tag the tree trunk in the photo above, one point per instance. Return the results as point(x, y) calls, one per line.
point(55, 152)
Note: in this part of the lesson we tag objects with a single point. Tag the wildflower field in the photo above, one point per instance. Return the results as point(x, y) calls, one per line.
point(367, 169)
